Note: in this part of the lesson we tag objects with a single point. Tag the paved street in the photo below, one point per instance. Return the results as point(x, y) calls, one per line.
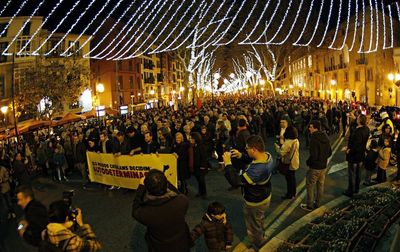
point(109, 212)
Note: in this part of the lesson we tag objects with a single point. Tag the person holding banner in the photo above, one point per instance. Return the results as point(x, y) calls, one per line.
point(162, 209)
point(105, 143)
point(181, 149)
point(149, 145)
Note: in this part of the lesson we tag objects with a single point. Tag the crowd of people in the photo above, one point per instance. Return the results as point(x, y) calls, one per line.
point(231, 130)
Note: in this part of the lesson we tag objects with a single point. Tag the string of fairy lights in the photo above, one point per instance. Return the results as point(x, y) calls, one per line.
point(141, 27)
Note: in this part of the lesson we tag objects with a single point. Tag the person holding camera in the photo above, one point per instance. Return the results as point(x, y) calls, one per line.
point(160, 207)
point(256, 186)
point(35, 213)
point(59, 232)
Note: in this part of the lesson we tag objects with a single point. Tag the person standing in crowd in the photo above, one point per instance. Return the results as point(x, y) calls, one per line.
point(217, 230)
point(383, 161)
point(198, 162)
point(58, 162)
point(134, 141)
point(79, 158)
point(106, 145)
point(20, 172)
point(149, 145)
point(162, 209)
point(370, 162)
point(256, 186)
point(121, 146)
point(181, 149)
point(320, 151)
point(344, 120)
point(36, 218)
point(222, 140)
point(5, 191)
point(289, 153)
point(59, 230)
point(356, 149)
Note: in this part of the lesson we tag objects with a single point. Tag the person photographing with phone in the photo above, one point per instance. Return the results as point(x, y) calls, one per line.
point(255, 182)
point(35, 216)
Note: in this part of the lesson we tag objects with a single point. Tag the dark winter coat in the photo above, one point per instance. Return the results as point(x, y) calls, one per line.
point(320, 151)
point(358, 145)
point(79, 153)
point(164, 218)
point(216, 234)
point(20, 173)
point(182, 150)
point(37, 218)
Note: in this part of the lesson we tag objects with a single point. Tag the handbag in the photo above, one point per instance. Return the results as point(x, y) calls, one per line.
point(284, 168)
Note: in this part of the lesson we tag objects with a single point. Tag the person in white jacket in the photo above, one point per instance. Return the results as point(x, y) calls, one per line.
point(289, 154)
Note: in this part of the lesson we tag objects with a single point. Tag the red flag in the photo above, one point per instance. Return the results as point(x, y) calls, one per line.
point(199, 103)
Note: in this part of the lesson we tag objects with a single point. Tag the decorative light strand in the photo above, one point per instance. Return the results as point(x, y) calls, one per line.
point(307, 20)
point(355, 28)
point(137, 53)
point(361, 50)
point(316, 26)
point(233, 20)
point(85, 29)
point(257, 23)
point(109, 31)
point(149, 34)
point(216, 29)
point(377, 26)
point(146, 5)
point(40, 27)
point(178, 23)
point(371, 25)
point(291, 28)
point(15, 14)
point(58, 25)
point(384, 25)
point(22, 28)
point(347, 26)
point(337, 25)
point(70, 29)
point(5, 7)
point(327, 24)
point(269, 22)
point(137, 37)
point(391, 28)
point(202, 15)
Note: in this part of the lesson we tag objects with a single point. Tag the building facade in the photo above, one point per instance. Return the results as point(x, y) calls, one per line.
point(23, 42)
point(354, 68)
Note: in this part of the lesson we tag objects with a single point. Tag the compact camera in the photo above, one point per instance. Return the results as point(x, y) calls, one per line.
point(67, 197)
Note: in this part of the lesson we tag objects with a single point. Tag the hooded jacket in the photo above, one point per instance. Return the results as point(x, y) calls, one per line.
point(216, 234)
point(255, 181)
point(60, 233)
point(164, 217)
point(320, 151)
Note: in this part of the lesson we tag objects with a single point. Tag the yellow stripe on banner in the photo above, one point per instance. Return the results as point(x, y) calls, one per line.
point(127, 171)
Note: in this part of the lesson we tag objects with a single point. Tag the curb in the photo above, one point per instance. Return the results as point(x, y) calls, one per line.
point(276, 241)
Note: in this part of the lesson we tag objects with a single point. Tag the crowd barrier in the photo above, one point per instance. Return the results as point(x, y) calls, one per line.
point(126, 171)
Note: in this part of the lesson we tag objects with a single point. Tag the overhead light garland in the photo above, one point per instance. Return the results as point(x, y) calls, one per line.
point(161, 26)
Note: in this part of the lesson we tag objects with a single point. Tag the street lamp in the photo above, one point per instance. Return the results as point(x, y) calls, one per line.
point(4, 110)
point(333, 83)
point(262, 82)
point(395, 78)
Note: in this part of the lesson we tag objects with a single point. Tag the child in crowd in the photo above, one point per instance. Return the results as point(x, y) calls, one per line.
point(217, 230)
point(383, 160)
point(370, 162)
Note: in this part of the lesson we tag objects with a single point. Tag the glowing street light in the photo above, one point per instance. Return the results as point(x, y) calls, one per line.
point(395, 78)
point(152, 92)
point(217, 76)
point(262, 82)
point(4, 109)
point(333, 82)
point(100, 88)
point(232, 75)
point(181, 89)
point(291, 86)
